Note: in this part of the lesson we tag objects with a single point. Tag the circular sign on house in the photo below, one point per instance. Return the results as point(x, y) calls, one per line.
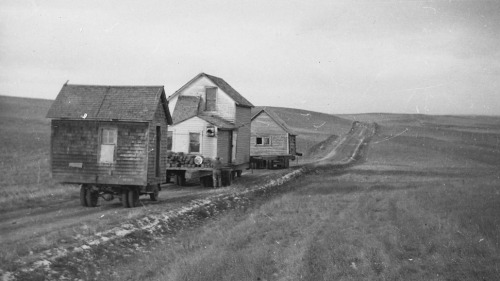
point(198, 160)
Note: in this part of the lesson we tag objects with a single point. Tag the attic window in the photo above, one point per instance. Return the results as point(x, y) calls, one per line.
point(108, 145)
point(263, 141)
point(210, 99)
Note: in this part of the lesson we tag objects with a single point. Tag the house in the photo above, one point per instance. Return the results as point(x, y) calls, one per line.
point(110, 139)
point(273, 143)
point(211, 119)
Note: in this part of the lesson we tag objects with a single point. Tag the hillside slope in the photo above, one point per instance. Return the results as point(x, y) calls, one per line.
point(25, 140)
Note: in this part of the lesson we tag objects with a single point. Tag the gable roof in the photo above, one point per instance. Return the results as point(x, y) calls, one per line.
point(185, 108)
point(132, 103)
point(220, 83)
point(275, 117)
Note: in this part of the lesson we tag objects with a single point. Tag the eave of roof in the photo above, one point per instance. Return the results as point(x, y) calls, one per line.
point(95, 102)
point(220, 83)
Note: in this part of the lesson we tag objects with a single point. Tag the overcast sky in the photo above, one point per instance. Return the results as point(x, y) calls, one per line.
point(432, 57)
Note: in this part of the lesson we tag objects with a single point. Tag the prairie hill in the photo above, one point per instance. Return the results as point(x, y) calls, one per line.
point(311, 127)
point(25, 138)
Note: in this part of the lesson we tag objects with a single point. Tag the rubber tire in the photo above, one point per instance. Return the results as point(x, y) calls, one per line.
point(83, 195)
point(133, 198)
point(92, 197)
point(124, 200)
point(156, 192)
point(180, 180)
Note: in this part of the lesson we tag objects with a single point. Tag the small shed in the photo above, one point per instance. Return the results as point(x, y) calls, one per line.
point(272, 142)
point(110, 136)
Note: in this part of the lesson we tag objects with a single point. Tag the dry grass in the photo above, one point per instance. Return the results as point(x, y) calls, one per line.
point(339, 230)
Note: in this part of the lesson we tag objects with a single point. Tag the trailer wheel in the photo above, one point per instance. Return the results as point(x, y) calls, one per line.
point(91, 196)
point(156, 191)
point(124, 198)
point(133, 198)
point(180, 180)
point(206, 181)
point(83, 195)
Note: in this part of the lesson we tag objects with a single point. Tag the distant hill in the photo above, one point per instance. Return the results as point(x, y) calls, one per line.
point(24, 139)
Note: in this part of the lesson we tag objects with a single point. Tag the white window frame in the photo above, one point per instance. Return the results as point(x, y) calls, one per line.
point(107, 144)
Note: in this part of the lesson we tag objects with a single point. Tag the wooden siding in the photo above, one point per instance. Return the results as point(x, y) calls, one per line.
point(180, 137)
point(75, 152)
point(264, 126)
point(159, 120)
point(243, 117)
point(226, 107)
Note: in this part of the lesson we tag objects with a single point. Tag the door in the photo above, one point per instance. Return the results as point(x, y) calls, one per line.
point(224, 145)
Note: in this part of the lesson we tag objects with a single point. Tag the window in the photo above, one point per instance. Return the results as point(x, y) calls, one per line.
point(169, 140)
point(194, 142)
point(210, 99)
point(263, 141)
point(108, 145)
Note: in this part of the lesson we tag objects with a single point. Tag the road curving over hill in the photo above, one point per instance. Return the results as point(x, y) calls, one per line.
point(85, 251)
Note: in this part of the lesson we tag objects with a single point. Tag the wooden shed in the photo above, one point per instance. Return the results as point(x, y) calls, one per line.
point(273, 143)
point(110, 139)
point(211, 119)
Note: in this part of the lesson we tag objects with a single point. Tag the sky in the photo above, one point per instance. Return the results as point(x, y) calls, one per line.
point(428, 57)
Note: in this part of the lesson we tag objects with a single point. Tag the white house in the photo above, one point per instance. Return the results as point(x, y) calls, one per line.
point(210, 118)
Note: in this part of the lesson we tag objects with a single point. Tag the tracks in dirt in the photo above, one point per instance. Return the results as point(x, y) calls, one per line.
point(346, 151)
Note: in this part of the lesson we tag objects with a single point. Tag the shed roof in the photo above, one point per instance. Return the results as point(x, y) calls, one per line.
point(275, 117)
point(185, 108)
point(223, 85)
point(131, 103)
point(217, 121)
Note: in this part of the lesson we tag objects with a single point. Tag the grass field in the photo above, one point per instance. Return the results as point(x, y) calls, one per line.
point(24, 153)
point(424, 205)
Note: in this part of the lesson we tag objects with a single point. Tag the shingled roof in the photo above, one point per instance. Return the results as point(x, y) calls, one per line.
point(132, 103)
point(273, 116)
point(217, 121)
point(221, 84)
point(185, 108)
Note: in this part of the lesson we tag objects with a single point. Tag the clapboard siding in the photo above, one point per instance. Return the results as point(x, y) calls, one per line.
point(225, 106)
point(77, 142)
point(180, 137)
point(159, 120)
point(264, 126)
point(243, 116)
